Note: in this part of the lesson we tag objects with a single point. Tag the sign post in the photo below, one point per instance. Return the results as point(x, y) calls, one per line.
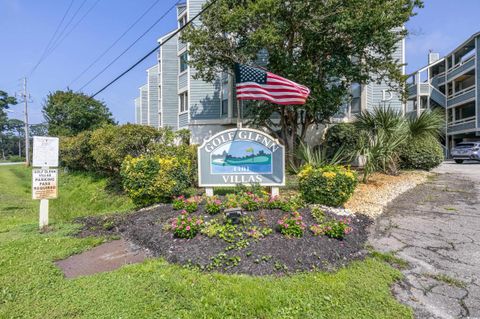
point(241, 156)
point(44, 179)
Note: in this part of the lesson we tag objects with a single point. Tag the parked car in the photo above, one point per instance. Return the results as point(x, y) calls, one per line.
point(466, 151)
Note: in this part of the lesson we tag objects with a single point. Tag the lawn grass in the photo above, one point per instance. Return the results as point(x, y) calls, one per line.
point(31, 286)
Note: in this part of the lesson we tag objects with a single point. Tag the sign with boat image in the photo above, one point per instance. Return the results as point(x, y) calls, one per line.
point(241, 156)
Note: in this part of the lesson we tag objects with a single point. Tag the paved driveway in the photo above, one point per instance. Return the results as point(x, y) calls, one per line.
point(436, 228)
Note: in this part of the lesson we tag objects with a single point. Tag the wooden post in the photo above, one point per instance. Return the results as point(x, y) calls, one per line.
point(275, 191)
point(43, 213)
point(209, 191)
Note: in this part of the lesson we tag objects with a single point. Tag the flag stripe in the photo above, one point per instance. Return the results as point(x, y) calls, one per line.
point(256, 84)
point(268, 87)
point(269, 92)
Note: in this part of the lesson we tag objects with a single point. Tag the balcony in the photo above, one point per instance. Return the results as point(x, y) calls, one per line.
point(438, 80)
point(413, 89)
point(461, 68)
point(462, 125)
point(462, 96)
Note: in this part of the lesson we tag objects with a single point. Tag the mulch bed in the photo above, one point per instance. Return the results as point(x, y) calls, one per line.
point(273, 254)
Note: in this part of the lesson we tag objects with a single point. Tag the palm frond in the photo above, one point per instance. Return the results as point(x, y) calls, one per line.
point(429, 123)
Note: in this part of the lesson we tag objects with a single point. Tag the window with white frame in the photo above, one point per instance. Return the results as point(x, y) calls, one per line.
point(184, 102)
point(183, 61)
point(182, 21)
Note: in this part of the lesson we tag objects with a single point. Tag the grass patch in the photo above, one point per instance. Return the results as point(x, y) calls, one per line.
point(448, 280)
point(80, 194)
point(33, 287)
point(391, 259)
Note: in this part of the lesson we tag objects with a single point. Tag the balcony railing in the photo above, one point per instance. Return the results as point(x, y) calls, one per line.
point(461, 96)
point(462, 121)
point(461, 67)
point(467, 123)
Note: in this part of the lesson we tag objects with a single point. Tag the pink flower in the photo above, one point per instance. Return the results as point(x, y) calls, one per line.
point(187, 228)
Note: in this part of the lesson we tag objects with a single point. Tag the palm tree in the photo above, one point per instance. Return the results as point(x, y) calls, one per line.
point(384, 130)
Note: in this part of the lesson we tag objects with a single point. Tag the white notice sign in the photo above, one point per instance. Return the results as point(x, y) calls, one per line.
point(44, 183)
point(45, 151)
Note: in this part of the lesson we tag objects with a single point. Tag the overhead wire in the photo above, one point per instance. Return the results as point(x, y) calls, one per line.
point(74, 26)
point(154, 49)
point(113, 44)
point(52, 38)
point(130, 46)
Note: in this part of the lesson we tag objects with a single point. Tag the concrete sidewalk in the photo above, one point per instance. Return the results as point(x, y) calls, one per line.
point(436, 228)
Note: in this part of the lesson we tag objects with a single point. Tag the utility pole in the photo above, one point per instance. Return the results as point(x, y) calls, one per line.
point(27, 137)
point(25, 97)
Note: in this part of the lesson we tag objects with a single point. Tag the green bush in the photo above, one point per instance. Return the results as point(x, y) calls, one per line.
point(330, 185)
point(150, 179)
point(111, 144)
point(342, 135)
point(421, 153)
point(75, 152)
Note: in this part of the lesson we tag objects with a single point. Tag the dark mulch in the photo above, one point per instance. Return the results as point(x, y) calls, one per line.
point(273, 254)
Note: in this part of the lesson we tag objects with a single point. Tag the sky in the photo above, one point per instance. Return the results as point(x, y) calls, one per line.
point(27, 26)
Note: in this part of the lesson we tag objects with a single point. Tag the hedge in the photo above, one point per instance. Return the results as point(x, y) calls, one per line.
point(424, 153)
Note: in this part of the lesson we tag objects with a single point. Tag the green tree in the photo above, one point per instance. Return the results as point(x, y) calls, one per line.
point(5, 102)
point(68, 113)
point(325, 45)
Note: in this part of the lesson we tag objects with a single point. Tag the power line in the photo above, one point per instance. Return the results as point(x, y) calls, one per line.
point(155, 49)
point(113, 44)
point(66, 26)
point(74, 27)
point(52, 38)
point(131, 45)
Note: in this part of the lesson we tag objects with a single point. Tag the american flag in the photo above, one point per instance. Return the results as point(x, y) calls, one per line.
point(257, 84)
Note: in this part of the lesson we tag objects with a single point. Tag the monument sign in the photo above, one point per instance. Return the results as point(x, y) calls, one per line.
point(241, 156)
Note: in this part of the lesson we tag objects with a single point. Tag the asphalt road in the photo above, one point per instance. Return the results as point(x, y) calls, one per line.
point(435, 227)
point(16, 163)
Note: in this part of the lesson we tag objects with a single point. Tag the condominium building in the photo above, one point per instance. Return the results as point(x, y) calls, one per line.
point(183, 102)
point(452, 84)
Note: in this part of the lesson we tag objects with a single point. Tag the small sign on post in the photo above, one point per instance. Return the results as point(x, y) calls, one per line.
point(44, 179)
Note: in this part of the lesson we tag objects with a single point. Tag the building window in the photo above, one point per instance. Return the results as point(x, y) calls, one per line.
point(183, 61)
point(184, 102)
point(182, 21)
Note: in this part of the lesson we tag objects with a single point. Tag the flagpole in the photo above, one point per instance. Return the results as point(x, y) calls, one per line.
point(239, 113)
point(239, 104)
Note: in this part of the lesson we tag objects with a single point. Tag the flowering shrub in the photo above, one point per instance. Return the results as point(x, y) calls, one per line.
point(191, 204)
point(283, 203)
point(252, 202)
point(231, 201)
point(150, 179)
point(179, 203)
point(292, 225)
point(333, 229)
point(213, 205)
point(185, 226)
point(330, 185)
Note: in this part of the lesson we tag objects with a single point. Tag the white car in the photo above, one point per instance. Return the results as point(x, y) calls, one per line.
point(466, 151)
